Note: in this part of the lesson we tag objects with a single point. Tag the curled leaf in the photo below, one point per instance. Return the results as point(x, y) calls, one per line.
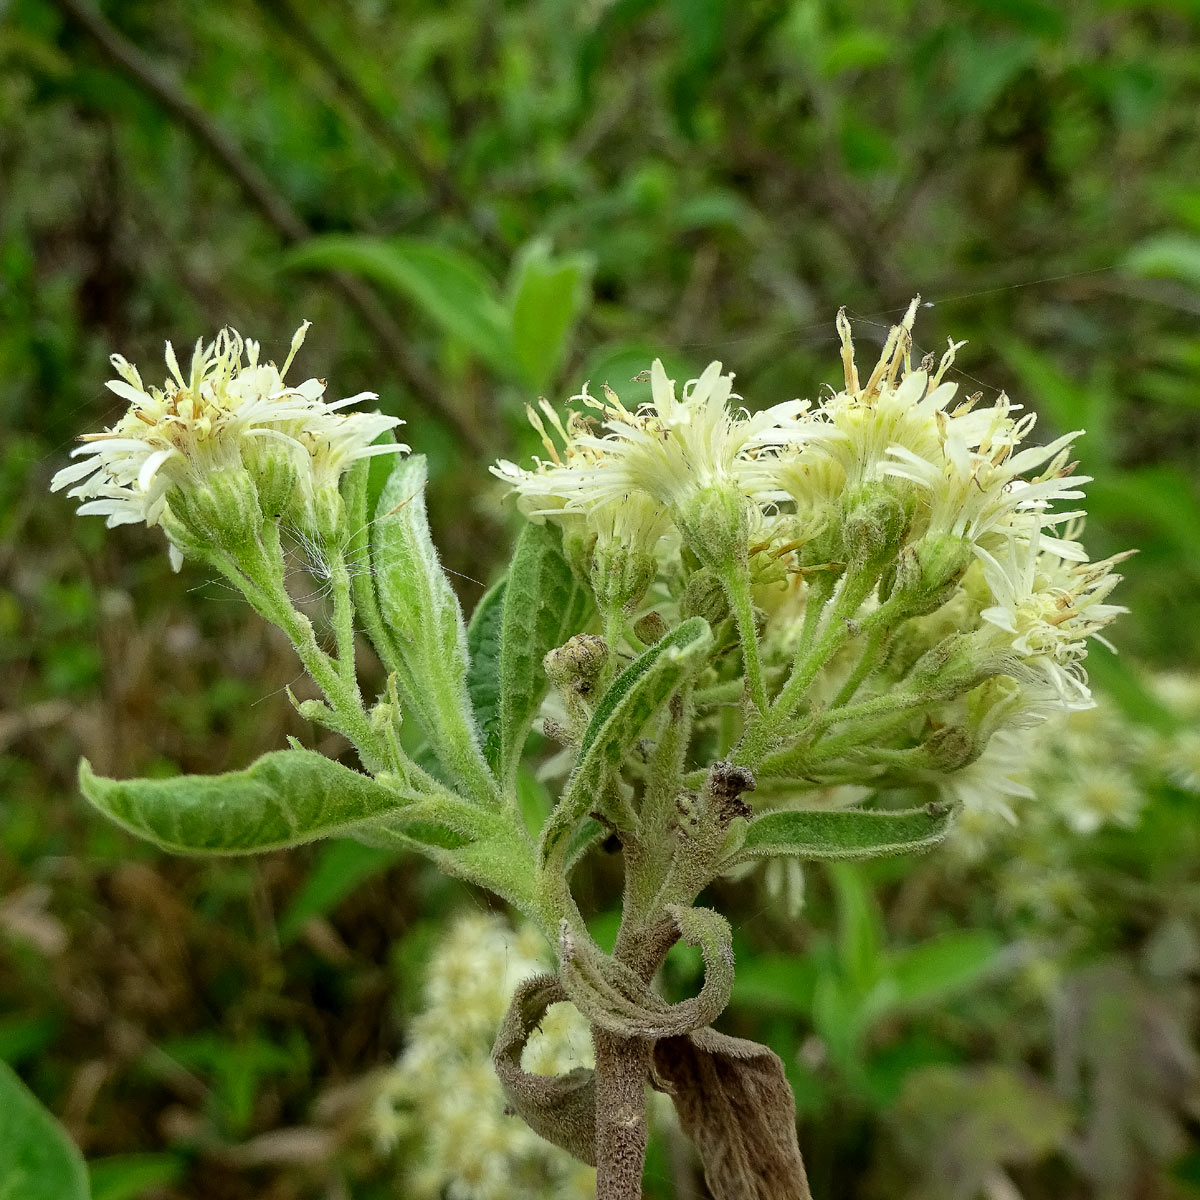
point(559, 1108)
point(614, 997)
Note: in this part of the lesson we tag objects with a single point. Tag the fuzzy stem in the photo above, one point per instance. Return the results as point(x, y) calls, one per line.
point(258, 574)
point(737, 589)
point(622, 1070)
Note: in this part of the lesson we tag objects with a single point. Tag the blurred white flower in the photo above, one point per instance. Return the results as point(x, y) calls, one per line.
point(442, 1100)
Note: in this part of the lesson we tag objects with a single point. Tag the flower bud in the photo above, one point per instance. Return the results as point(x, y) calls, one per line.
point(713, 524)
point(620, 576)
point(575, 666)
point(927, 572)
point(651, 628)
point(704, 597)
point(219, 510)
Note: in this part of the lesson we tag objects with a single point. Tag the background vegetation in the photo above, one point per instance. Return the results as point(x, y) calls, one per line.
point(476, 204)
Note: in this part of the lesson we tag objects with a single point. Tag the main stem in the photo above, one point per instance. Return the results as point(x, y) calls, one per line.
point(622, 1069)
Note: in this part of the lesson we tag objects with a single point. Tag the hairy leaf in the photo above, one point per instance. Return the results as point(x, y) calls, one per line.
point(850, 834)
point(37, 1159)
point(453, 290)
point(284, 799)
point(425, 625)
point(614, 997)
point(734, 1103)
point(560, 1108)
point(544, 605)
point(483, 667)
point(621, 714)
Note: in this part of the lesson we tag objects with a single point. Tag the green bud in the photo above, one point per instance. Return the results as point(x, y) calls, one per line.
point(221, 510)
point(621, 576)
point(651, 628)
point(713, 525)
point(577, 664)
point(951, 668)
point(704, 596)
point(931, 568)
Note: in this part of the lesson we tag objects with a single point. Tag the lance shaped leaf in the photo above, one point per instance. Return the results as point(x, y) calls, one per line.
point(361, 488)
point(560, 1108)
point(544, 605)
point(548, 294)
point(284, 799)
point(428, 642)
point(613, 996)
point(734, 1103)
point(449, 287)
point(621, 715)
point(483, 669)
point(849, 834)
point(38, 1161)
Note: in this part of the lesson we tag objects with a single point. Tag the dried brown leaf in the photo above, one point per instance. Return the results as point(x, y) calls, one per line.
point(734, 1103)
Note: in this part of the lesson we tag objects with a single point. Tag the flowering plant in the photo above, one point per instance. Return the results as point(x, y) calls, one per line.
point(875, 592)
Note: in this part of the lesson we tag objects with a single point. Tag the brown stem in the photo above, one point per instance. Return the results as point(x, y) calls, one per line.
point(622, 1071)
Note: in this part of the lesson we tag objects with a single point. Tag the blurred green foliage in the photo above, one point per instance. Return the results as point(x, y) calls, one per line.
point(535, 194)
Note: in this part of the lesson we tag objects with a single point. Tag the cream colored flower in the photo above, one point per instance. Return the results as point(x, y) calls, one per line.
point(230, 413)
point(1045, 608)
point(666, 452)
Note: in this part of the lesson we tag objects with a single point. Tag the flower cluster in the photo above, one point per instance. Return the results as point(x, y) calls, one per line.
point(443, 1103)
point(211, 454)
point(915, 563)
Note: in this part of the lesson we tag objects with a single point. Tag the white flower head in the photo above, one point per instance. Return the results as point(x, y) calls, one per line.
point(632, 472)
point(231, 416)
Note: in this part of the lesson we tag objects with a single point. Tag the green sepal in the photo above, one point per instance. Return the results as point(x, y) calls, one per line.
point(286, 798)
point(544, 605)
point(848, 834)
point(38, 1161)
point(621, 714)
point(425, 639)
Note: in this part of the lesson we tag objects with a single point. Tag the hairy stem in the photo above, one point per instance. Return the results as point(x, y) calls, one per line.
point(622, 1071)
point(737, 588)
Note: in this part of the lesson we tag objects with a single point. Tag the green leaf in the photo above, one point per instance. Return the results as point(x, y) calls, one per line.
point(943, 966)
point(1168, 256)
point(544, 605)
point(286, 798)
point(450, 288)
point(132, 1176)
point(37, 1159)
point(548, 294)
point(483, 667)
point(341, 867)
point(859, 928)
point(621, 715)
point(427, 642)
point(849, 834)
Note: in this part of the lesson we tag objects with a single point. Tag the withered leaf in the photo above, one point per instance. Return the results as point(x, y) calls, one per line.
point(734, 1103)
point(560, 1108)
